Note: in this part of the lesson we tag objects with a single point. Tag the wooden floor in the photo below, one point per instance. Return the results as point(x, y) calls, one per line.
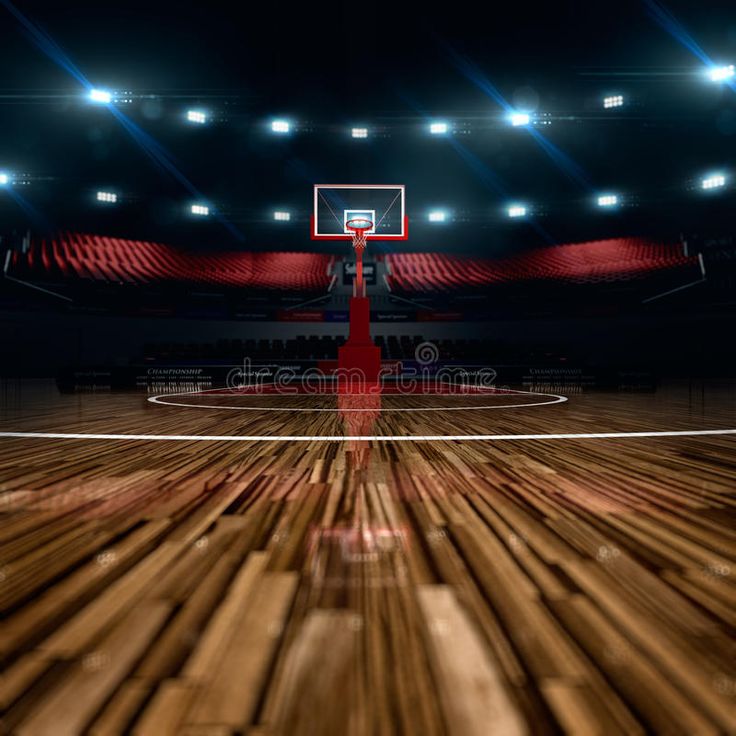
point(487, 587)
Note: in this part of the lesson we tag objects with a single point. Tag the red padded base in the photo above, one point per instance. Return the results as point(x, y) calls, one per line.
point(359, 360)
point(358, 367)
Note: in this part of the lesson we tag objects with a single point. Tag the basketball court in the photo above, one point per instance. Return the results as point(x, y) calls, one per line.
point(571, 553)
point(453, 456)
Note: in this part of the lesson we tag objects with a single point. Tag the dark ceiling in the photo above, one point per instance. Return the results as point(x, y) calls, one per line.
point(390, 66)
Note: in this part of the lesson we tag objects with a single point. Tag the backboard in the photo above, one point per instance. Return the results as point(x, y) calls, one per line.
point(337, 204)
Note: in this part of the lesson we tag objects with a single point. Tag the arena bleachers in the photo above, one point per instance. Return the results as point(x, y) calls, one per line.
point(116, 260)
point(581, 263)
point(99, 259)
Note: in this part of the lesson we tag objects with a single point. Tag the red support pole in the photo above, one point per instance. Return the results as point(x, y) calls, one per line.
point(359, 357)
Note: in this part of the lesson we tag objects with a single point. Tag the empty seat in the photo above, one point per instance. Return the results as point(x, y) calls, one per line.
point(618, 259)
point(119, 260)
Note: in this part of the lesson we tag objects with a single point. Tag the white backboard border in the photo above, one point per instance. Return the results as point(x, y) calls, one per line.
point(374, 234)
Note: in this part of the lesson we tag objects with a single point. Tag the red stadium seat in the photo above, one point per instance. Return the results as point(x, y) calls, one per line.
point(116, 260)
point(593, 262)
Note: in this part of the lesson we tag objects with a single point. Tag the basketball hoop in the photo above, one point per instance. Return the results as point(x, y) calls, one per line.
point(358, 226)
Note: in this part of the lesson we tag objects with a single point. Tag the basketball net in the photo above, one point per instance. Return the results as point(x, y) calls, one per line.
point(359, 241)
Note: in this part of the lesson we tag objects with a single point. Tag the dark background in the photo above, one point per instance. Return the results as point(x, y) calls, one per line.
point(389, 66)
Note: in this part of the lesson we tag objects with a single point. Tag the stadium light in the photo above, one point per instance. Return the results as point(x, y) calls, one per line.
point(722, 73)
point(282, 216)
point(4, 179)
point(100, 96)
point(516, 210)
point(280, 126)
point(518, 119)
point(200, 210)
point(713, 181)
point(437, 216)
point(438, 128)
point(608, 200)
point(107, 197)
point(613, 101)
point(359, 132)
point(199, 117)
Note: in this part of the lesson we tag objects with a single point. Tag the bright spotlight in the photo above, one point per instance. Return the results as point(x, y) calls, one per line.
point(613, 101)
point(197, 116)
point(4, 179)
point(101, 96)
point(608, 200)
point(200, 210)
point(437, 216)
point(714, 181)
point(280, 126)
point(107, 197)
point(516, 210)
point(281, 216)
point(359, 132)
point(438, 128)
point(519, 118)
point(722, 73)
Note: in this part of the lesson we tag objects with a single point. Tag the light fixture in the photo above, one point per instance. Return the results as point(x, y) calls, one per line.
point(197, 116)
point(518, 119)
point(607, 200)
point(100, 96)
point(280, 126)
point(722, 73)
point(714, 181)
point(613, 101)
point(516, 210)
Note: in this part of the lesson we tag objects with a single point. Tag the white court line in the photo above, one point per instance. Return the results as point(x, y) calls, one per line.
point(372, 438)
point(556, 399)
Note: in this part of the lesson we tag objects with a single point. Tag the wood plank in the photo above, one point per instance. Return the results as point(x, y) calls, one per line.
point(70, 706)
point(229, 698)
point(470, 687)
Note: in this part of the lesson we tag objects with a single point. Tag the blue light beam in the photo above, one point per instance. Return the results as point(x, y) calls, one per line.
point(154, 150)
point(474, 74)
point(664, 18)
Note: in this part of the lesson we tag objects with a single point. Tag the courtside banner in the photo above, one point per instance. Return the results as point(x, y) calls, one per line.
point(440, 316)
point(254, 316)
point(300, 315)
point(174, 377)
point(337, 316)
point(393, 316)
